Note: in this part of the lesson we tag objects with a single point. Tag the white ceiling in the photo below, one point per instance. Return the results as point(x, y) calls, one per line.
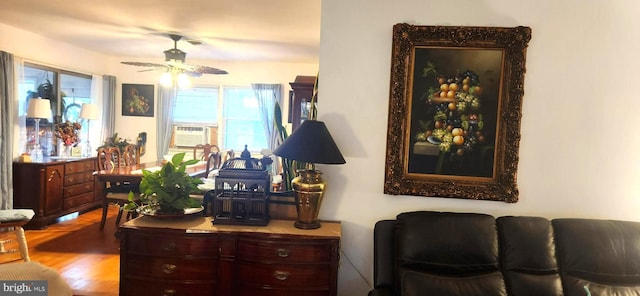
point(271, 30)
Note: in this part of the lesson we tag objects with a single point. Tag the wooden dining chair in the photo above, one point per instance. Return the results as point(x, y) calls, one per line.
point(117, 192)
point(213, 163)
point(131, 155)
point(202, 151)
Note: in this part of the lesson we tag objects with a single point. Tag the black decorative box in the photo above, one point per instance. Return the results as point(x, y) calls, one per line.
point(241, 193)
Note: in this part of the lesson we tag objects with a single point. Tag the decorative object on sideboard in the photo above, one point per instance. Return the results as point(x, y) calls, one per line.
point(241, 192)
point(311, 143)
point(67, 132)
point(37, 109)
point(88, 112)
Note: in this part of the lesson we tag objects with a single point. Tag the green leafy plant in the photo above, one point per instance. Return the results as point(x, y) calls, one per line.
point(288, 168)
point(166, 191)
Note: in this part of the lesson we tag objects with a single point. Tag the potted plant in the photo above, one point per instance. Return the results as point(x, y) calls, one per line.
point(166, 191)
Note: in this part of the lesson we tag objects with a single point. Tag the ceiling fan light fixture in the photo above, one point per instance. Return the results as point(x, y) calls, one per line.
point(166, 80)
point(183, 80)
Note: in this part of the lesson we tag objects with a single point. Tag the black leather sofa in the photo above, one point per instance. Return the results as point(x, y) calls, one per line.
point(471, 254)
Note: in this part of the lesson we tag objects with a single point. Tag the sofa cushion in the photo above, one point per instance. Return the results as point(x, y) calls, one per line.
point(447, 243)
point(576, 286)
point(415, 283)
point(527, 255)
point(606, 252)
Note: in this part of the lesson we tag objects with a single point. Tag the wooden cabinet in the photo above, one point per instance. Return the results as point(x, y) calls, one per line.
point(54, 188)
point(302, 91)
point(194, 257)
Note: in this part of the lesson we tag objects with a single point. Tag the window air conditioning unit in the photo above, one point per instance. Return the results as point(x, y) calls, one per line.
point(190, 136)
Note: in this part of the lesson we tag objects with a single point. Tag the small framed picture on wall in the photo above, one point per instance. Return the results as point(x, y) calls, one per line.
point(137, 100)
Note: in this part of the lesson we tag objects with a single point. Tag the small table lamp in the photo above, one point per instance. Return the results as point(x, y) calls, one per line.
point(88, 112)
point(37, 109)
point(310, 143)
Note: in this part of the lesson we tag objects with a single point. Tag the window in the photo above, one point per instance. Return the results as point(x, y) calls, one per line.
point(197, 105)
point(75, 90)
point(242, 121)
point(50, 83)
point(233, 109)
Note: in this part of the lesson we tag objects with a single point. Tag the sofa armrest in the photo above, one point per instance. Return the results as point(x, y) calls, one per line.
point(383, 255)
point(381, 292)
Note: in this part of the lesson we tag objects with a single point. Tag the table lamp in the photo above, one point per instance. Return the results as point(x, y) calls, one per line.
point(37, 109)
point(88, 112)
point(310, 143)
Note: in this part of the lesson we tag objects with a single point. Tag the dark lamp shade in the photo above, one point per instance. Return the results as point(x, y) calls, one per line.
point(311, 142)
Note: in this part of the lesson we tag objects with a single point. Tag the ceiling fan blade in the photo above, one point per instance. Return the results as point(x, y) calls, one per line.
point(152, 69)
point(142, 64)
point(208, 70)
point(193, 74)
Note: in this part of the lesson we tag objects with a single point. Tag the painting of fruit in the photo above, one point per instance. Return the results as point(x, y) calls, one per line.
point(137, 100)
point(454, 103)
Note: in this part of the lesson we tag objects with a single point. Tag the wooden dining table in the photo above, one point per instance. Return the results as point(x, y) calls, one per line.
point(133, 173)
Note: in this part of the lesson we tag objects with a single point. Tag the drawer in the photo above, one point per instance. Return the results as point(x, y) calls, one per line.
point(171, 268)
point(137, 287)
point(309, 276)
point(72, 202)
point(171, 246)
point(258, 291)
point(80, 166)
point(77, 189)
point(284, 251)
point(73, 179)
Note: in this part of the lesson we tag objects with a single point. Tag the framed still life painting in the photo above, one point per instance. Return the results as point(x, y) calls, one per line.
point(137, 100)
point(454, 111)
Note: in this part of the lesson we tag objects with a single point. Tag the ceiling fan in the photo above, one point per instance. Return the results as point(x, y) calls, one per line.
point(175, 62)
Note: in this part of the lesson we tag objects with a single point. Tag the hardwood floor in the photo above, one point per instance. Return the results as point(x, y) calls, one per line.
point(87, 258)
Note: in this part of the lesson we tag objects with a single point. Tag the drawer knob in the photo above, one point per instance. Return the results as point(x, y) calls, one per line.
point(168, 268)
point(169, 247)
point(168, 292)
point(281, 275)
point(284, 253)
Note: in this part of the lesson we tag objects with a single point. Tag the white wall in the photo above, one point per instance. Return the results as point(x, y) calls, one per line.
point(579, 148)
point(37, 49)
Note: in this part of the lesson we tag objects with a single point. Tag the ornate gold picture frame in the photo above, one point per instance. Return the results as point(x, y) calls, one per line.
point(454, 111)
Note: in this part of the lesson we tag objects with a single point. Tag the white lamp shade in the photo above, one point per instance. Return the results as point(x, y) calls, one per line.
point(89, 111)
point(39, 108)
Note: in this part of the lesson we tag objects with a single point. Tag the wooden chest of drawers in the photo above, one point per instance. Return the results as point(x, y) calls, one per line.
point(193, 257)
point(54, 188)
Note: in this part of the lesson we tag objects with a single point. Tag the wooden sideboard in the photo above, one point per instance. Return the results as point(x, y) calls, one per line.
point(54, 188)
point(191, 256)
